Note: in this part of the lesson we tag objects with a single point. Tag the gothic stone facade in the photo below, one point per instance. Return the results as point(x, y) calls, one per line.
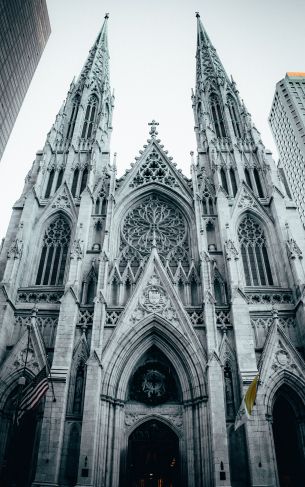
point(159, 297)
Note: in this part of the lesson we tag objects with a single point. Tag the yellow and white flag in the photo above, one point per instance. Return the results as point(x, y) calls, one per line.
point(245, 410)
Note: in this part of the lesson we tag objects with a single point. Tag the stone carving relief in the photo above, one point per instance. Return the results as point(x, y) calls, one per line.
point(294, 250)
point(154, 170)
point(33, 296)
point(15, 250)
point(172, 414)
point(282, 359)
point(154, 299)
point(230, 250)
point(77, 249)
point(61, 202)
point(270, 298)
point(246, 200)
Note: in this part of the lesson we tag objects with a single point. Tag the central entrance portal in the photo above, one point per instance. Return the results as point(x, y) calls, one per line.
point(153, 456)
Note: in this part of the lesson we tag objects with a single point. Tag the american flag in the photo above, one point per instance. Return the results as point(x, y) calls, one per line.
point(33, 393)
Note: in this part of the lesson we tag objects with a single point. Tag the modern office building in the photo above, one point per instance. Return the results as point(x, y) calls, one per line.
point(287, 120)
point(158, 298)
point(24, 31)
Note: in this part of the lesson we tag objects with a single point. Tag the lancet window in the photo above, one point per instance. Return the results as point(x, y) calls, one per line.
point(74, 112)
point(59, 179)
point(253, 178)
point(50, 183)
point(80, 178)
point(217, 115)
point(91, 111)
point(248, 178)
point(258, 183)
point(89, 288)
point(100, 204)
point(52, 264)
point(224, 181)
point(233, 181)
point(234, 117)
point(254, 253)
point(220, 291)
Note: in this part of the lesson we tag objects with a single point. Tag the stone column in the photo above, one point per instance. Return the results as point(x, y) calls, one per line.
point(91, 413)
point(262, 460)
point(50, 448)
point(219, 440)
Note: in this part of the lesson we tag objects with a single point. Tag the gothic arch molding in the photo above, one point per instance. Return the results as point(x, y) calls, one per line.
point(40, 229)
point(10, 381)
point(124, 352)
point(156, 417)
point(283, 378)
point(271, 239)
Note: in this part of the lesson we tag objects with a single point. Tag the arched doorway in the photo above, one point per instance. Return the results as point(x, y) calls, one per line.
point(287, 441)
point(153, 456)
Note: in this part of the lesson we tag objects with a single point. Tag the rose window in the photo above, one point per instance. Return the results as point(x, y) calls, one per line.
point(155, 222)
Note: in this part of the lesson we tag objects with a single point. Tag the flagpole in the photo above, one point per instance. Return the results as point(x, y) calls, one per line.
point(49, 372)
point(22, 379)
point(21, 384)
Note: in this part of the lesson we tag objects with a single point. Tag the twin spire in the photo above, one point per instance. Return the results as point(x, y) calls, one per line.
point(96, 67)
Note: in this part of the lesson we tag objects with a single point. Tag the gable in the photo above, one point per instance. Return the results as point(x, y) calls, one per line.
point(279, 354)
point(155, 167)
point(155, 297)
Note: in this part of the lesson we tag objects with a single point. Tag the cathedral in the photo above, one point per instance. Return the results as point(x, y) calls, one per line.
point(155, 299)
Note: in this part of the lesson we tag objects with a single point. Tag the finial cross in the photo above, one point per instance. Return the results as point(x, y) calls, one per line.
point(153, 131)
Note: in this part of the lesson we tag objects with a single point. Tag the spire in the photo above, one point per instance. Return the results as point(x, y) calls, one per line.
point(209, 66)
point(96, 68)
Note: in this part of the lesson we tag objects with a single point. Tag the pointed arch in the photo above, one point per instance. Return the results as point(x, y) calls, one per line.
point(224, 181)
point(59, 178)
point(74, 112)
point(84, 180)
point(90, 117)
point(78, 378)
point(75, 182)
point(121, 359)
point(89, 286)
point(50, 183)
point(234, 115)
point(233, 181)
point(54, 252)
point(258, 183)
point(248, 178)
point(254, 253)
point(217, 116)
point(285, 401)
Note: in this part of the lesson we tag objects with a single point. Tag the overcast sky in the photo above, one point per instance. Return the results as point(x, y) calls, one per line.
point(152, 60)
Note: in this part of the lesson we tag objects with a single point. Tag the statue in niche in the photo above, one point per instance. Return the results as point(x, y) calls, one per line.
point(78, 391)
point(230, 409)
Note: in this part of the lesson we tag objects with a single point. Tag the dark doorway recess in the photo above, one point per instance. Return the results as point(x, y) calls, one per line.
point(153, 456)
point(287, 444)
